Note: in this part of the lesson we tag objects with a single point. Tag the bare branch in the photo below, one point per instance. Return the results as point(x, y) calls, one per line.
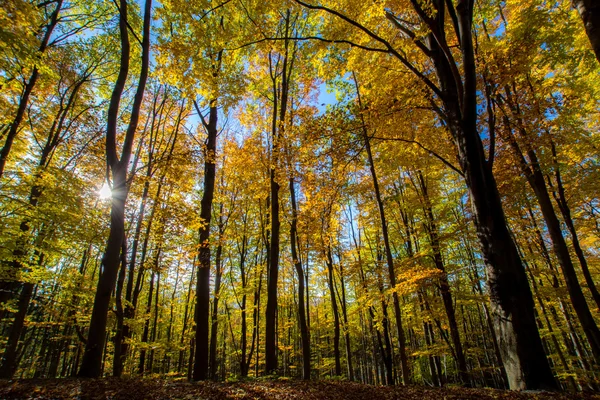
point(306, 38)
point(433, 153)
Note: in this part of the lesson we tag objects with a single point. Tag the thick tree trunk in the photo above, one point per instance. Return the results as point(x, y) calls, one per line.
point(511, 299)
point(589, 11)
point(510, 295)
point(280, 100)
point(512, 302)
point(272, 279)
point(92, 358)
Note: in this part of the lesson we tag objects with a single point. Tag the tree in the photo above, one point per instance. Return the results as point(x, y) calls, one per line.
point(92, 358)
point(510, 294)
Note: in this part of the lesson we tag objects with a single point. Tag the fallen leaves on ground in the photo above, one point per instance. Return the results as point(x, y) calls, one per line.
point(133, 389)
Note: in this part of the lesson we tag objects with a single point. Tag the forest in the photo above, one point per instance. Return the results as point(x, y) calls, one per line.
point(351, 193)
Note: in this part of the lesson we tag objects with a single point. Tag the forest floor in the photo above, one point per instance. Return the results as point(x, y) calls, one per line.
point(133, 389)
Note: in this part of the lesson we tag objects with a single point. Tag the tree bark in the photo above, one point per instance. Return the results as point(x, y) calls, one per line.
point(91, 366)
point(215, 311)
point(511, 299)
point(563, 205)
point(280, 103)
point(201, 357)
point(535, 178)
point(304, 338)
point(589, 11)
point(336, 314)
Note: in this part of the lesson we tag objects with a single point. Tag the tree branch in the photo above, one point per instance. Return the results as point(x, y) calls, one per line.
point(305, 38)
point(379, 39)
point(433, 153)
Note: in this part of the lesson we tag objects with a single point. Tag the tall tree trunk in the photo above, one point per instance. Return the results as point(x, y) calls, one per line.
point(121, 341)
point(386, 241)
point(91, 365)
point(280, 102)
point(304, 338)
point(336, 314)
point(346, 326)
point(561, 200)
point(535, 178)
point(510, 295)
point(446, 294)
point(201, 357)
point(215, 310)
point(243, 251)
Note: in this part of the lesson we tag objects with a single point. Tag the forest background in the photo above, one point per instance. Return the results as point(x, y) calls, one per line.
point(389, 192)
